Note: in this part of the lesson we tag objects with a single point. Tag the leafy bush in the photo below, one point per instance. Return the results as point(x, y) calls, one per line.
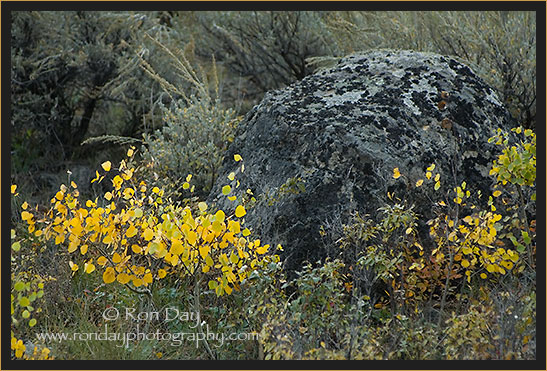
point(196, 131)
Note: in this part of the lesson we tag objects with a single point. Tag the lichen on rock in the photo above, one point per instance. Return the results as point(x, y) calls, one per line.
point(342, 130)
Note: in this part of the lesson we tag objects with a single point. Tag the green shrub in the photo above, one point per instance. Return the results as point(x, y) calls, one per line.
point(196, 129)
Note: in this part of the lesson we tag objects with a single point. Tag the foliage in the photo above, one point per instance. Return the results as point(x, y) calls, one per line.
point(27, 295)
point(196, 130)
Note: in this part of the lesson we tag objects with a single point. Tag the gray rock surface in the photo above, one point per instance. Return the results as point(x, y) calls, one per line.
point(342, 131)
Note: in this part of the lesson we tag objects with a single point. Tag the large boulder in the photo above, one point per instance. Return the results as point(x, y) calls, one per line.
point(340, 133)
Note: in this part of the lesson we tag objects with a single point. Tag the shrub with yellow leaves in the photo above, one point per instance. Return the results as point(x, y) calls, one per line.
point(134, 237)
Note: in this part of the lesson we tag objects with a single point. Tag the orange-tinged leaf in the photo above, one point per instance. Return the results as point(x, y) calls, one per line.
point(396, 173)
point(102, 260)
point(162, 273)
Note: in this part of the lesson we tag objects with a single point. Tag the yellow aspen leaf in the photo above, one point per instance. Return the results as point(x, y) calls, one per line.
point(191, 237)
point(228, 289)
point(107, 239)
point(162, 273)
point(204, 251)
point(59, 195)
point(496, 193)
point(109, 275)
point(209, 261)
point(202, 206)
point(73, 267)
point(155, 190)
point(123, 278)
point(176, 247)
point(428, 175)
point(148, 234)
point(89, 267)
point(83, 249)
point(137, 282)
point(131, 231)
point(205, 268)
point(25, 215)
point(130, 152)
point(234, 226)
point(483, 276)
point(102, 261)
point(465, 263)
point(419, 182)
point(408, 230)
point(240, 211)
point(106, 165)
point(136, 249)
point(491, 268)
point(436, 187)
point(13, 188)
point(147, 279)
point(396, 173)
point(232, 175)
point(246, 232)
point(431, 168)
point(226, 190)
point(234, 258)
point(262, 249)
point(108, 196)
point(237, 158)
point(220, 216)
point(24, 205)
point(59, 239)
point(232, 198)
point(138, 213)
point(217, 226)
point(116, 258)
point(185, 185)
point(72, 246)
point(437, 177)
